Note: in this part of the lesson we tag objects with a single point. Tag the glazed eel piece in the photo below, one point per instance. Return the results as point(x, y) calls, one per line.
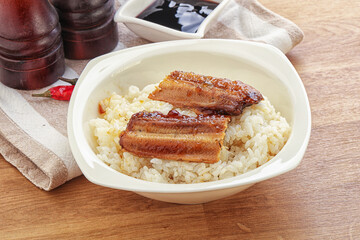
point(175, 136)
point(207, 94)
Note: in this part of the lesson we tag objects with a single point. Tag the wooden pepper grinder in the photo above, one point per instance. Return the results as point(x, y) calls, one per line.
point(31, 50)
point(88, 28)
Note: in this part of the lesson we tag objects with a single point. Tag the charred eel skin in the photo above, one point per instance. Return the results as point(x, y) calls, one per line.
point(208, 95)
point(175, 136)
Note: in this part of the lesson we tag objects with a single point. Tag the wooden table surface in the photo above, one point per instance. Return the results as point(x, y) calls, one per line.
point(320, 199)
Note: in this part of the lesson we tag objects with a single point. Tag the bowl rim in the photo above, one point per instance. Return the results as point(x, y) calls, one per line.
point(122, 16)
point(266, 171)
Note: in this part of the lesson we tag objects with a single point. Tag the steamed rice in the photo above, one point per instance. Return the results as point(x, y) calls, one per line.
point(251, 139)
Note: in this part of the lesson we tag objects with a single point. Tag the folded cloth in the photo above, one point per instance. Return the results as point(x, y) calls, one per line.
point(33, 134)
point(249, 20)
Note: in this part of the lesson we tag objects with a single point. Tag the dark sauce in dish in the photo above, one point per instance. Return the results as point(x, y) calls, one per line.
point(183, 15)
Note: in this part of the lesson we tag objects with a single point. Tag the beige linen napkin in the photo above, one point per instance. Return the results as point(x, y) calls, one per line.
point(33, 134)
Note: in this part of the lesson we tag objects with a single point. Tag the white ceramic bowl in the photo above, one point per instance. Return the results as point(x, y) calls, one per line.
point(155, 32)
point(260, 65)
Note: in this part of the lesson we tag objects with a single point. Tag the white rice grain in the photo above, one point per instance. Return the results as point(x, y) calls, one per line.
point(251, 139)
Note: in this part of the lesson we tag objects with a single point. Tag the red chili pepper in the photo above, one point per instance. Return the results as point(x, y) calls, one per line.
point(57, 93)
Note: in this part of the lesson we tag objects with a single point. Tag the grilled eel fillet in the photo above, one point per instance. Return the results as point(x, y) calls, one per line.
point(175, 136)
point(207, 94)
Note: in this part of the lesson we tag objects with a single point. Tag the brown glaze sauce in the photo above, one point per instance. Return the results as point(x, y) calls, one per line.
point(182, 15)
point(206, 94)
point(174, 136)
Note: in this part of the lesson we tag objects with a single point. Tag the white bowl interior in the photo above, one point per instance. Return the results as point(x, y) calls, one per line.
point(147, 71)
point(134, 8)
point(259, 65)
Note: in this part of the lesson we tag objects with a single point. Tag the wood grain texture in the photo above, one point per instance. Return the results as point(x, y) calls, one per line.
point(318, 200)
